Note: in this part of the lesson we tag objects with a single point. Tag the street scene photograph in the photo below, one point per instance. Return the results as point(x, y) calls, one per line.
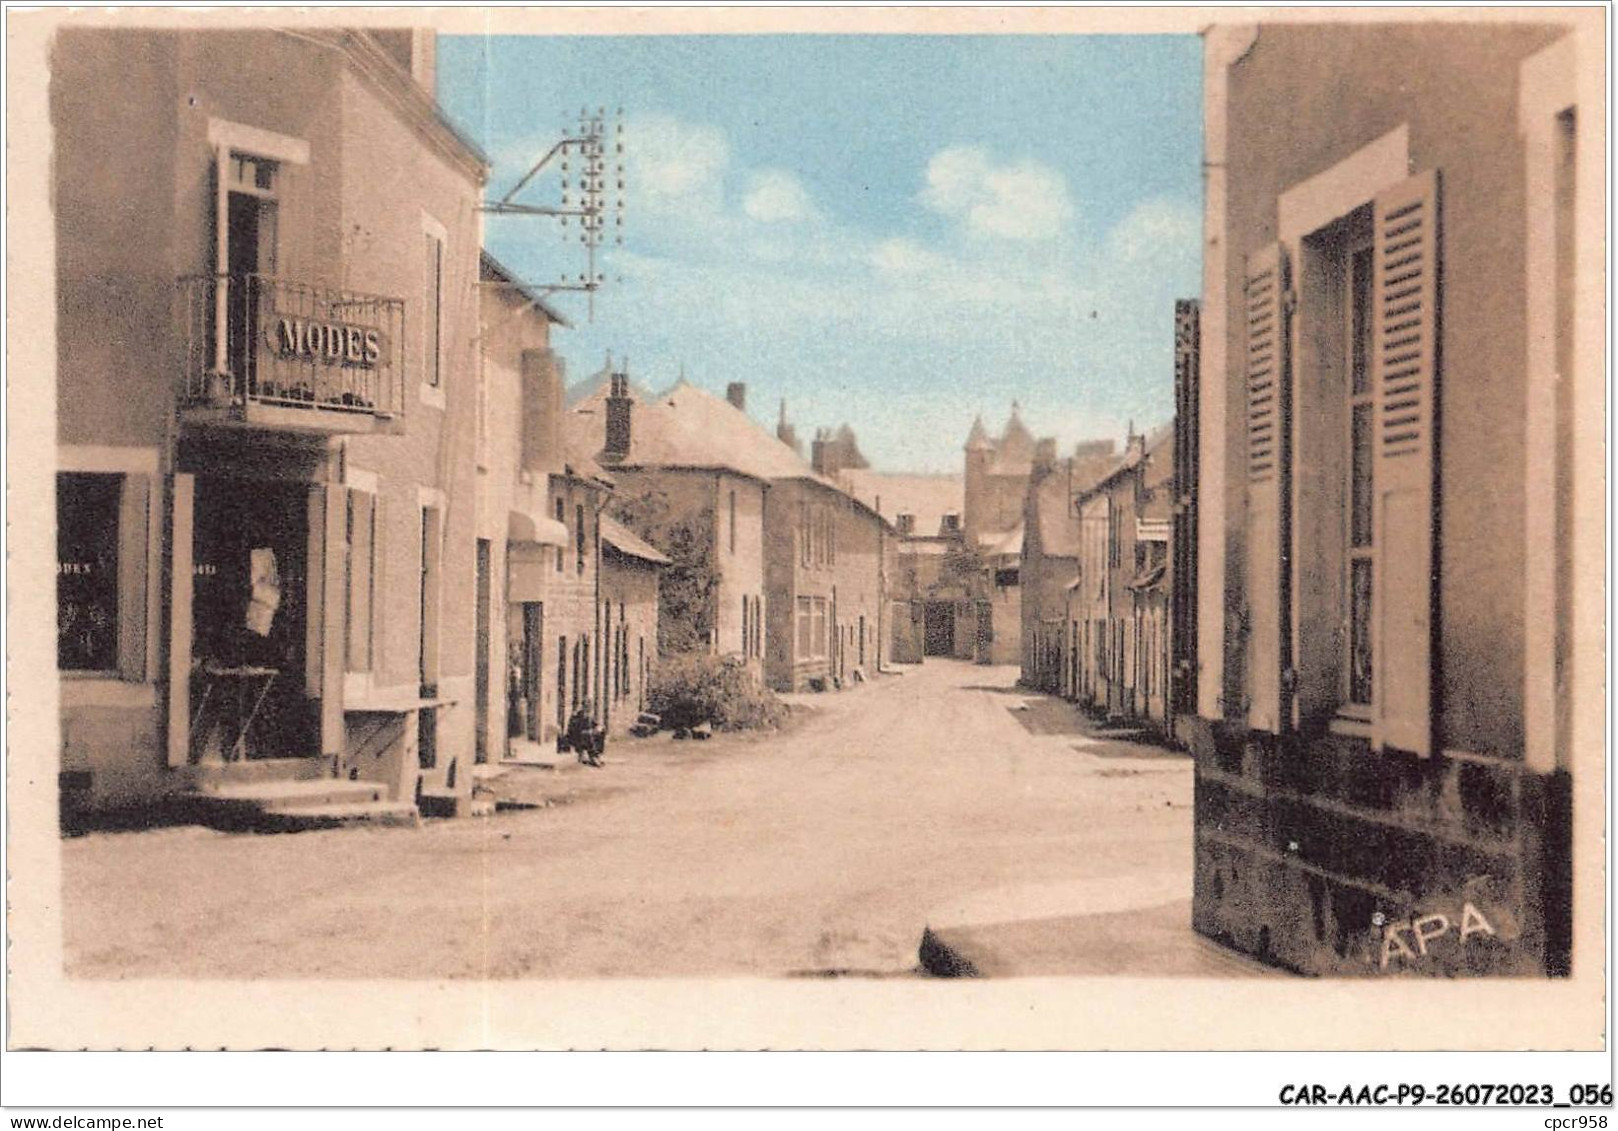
point(884, 511)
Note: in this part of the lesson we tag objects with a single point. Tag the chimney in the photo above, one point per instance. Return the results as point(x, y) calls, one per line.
point(619, 407)
point(542, 376)
point(736, 394)
point(784, 432)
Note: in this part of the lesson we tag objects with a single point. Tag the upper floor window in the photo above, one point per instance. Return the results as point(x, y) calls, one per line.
point(578, 535)
point(561, 517)
point(432, 308)
point(733, 522)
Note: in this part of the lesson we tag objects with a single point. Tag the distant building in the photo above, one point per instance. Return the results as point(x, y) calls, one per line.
point(932, 582)
point(795, 562)
point(1400, 674)
point(1051, 553)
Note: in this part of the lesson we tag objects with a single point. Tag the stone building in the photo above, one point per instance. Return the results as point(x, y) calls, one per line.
point(266, 262)
point(576, 618)
point(1399, 701)
point(932, 582)
point(1050, 561)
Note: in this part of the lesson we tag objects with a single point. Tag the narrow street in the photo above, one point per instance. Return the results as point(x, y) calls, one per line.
point(936, 795)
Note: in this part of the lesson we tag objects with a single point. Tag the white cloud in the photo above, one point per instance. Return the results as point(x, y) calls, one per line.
point(1026, 200)
point(676, 165)
point(905, 257)
point(776, 195)
point(1153, 229)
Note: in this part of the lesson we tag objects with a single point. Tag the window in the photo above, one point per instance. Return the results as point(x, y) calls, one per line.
point(818, 638)
point(561, 683)
point(432, 289)
point(951, 524)
point(733, 522)
point(578, 536)
point(806, 627)
point(432, 548)
point(87, 510)
point(1362, 552)
point(561, 517)
point(805, 534)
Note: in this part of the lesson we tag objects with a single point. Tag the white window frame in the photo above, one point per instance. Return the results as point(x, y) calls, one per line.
point(1327, 198)
point(111, 688)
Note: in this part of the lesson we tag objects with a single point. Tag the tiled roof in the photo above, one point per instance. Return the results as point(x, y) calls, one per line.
point(927, 497)
point(626, 541)
point(594, 388)
point(691, 427)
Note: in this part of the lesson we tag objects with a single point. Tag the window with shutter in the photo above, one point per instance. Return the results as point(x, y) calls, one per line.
point(1268, 404)
point(1405, 369)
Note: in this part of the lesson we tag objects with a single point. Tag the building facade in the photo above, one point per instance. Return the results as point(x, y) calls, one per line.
point(932, 581)
point(824, 576)
point(266, 357)
point(1118, 631)
point(1391, 664)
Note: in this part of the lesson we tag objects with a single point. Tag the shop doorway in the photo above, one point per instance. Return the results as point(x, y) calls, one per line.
point(250, 694)
point(528, 638)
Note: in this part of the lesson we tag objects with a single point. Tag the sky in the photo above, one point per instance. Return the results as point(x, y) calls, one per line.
point(897, 232)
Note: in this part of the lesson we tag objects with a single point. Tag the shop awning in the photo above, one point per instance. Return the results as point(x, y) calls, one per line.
point(536, 528)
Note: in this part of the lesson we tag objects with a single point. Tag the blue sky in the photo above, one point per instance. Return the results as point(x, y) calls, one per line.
point(897, 232)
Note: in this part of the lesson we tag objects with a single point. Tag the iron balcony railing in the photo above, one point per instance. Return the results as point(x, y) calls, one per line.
point(256, 339)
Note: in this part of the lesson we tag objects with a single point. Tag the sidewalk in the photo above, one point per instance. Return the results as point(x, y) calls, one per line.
point(1095, 926)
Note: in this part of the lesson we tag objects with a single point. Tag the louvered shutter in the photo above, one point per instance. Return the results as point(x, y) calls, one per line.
point(1405, 310)
point(1267, 422)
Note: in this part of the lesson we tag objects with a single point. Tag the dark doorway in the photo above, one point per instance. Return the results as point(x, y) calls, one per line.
point(532, 673)
point(249, 614)
point(480, 663)
point(938, 637)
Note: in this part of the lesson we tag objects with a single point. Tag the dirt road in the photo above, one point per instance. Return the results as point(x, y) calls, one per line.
point(823, 850)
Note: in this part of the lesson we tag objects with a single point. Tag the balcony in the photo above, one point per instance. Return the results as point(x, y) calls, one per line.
point(291, 357)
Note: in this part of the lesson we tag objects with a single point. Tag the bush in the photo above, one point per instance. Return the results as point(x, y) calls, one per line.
point(687, 691)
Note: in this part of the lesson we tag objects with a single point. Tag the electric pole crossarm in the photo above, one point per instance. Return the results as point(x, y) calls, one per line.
point(538, 165)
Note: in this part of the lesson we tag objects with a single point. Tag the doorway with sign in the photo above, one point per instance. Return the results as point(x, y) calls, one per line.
point(250, 622)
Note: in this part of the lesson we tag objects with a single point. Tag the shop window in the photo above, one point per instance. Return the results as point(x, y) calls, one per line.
point(87, 559)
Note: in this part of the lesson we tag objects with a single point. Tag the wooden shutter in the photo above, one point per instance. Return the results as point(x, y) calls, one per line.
point(1268, 404)
point(182, 495)
point(1405, 367)
point(133, 545)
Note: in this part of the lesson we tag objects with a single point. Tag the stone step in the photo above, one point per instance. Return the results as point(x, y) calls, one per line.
point(276, 796)
point(211, 774)
point(297, 817)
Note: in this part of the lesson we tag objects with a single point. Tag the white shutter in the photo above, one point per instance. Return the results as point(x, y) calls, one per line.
point(1267, 449)
point(1405, 367)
